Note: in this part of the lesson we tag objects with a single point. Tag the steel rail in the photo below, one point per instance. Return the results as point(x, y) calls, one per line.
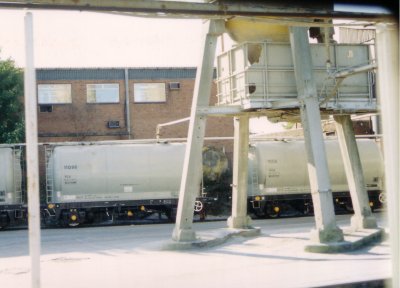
point(179, 9)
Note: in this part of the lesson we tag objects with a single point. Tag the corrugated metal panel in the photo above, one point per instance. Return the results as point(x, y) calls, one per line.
point(79, 74)
point(352, 35)
point(162, 73)
point(49, 74)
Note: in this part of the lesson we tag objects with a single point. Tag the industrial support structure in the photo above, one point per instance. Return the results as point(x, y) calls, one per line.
point(326, 229)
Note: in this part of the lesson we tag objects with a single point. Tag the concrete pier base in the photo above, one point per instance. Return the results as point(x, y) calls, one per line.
point(330, 235)
point(352, 240)
point(363, 222)
point(185, 235)
point(211, 238)
point(243, 221)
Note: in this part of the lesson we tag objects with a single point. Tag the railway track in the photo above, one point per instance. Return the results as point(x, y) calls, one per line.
point(163, 219)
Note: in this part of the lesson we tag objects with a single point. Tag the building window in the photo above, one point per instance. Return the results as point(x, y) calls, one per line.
point(54, 94)
point(149, 92)
point(174, 86)
point(102, 93)
point(113, 124)
point(46, 108)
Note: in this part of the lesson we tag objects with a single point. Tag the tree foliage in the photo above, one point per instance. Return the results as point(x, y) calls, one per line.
point(11, 103)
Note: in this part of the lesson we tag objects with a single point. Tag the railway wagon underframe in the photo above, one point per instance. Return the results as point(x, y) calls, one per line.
point(76, 213)
point(73, 214)
point(269, 206)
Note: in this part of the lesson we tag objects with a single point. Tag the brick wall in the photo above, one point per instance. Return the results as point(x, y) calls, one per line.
point(82, 121)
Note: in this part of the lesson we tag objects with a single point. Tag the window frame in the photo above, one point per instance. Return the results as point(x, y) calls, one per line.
point(145, 98)
point(45, 108)
point(174, 85)
point(52, 94)
point(110, 101)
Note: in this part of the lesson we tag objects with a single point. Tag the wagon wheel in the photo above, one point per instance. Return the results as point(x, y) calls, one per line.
point(349, 206)
point(73, 220)
point(260, 215)
point(5, 221)
point(198, 206)
point(170, 214)
point(382, 197)
point(273, 211)
point(307, 209)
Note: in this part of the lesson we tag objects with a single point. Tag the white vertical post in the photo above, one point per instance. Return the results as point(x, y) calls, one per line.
point(192, 166)
point(363, 217)
point(127, 107)
point(388, 84)
point(32, 157)
point(326, 229)
point(239, 218)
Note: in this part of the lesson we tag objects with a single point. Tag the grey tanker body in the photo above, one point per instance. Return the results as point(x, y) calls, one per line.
point(11, 194)
point(278, 176)
point(86, 182)
point(120, 180)
point(116, 172)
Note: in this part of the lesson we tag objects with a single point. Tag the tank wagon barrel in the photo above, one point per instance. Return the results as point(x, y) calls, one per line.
point(87, 182)
point(12, 210)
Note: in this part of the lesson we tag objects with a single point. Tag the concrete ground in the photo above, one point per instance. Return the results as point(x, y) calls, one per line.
point(133, 256)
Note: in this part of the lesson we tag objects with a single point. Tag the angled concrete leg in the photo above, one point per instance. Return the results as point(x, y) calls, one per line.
point(363, 217)
point(192, 167)
point(326, 229)
point(239, 218)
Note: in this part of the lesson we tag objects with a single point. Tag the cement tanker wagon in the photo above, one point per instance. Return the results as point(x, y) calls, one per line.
point(278, 176)
point(91, 181)
point(11, 202)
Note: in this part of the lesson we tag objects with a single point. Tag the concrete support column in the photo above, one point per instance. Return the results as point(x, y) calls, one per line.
point(326, 229)
point(387, 47)
point(239, 218)
point(192, 167)
point(363, 217)
point(32, 154)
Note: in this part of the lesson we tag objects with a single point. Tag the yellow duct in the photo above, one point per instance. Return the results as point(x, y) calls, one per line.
point(242, 30)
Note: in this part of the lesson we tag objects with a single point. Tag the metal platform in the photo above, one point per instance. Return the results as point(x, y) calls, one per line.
point(260, 75)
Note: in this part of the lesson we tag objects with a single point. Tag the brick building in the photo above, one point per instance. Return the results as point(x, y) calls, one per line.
point(107, 103)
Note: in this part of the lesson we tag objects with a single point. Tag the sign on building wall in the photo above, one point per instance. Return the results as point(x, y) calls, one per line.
point(54, 93)
point(149, 92)
point(102, 93)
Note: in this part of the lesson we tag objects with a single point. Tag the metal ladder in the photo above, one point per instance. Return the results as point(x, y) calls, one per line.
point(253, 173)
point(17, 174)
point(49, 173)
